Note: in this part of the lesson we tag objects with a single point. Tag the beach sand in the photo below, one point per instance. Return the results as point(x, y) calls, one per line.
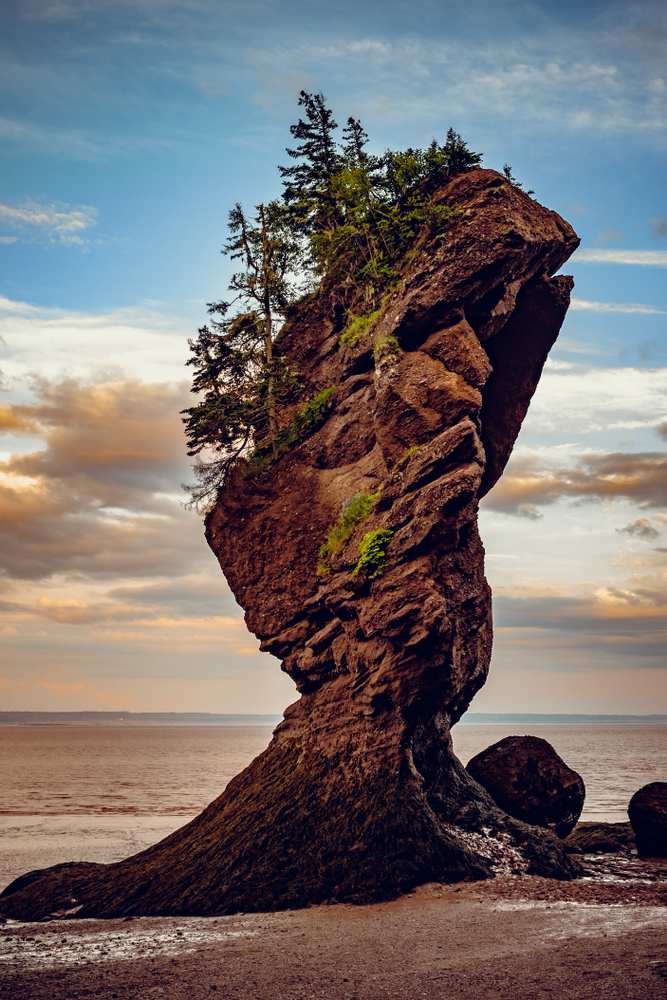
point(509, 937)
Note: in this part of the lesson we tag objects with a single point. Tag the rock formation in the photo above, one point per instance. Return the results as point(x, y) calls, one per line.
point(359, 795)
point(648, 815)
point(525, 776)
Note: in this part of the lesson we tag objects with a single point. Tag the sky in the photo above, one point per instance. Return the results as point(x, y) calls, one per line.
point(128, 132)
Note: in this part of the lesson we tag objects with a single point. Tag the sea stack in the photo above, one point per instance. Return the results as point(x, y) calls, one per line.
point(386, 630)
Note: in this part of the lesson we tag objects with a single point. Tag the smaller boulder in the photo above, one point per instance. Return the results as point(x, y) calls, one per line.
point(525, 776)
point(648, 815)
point(605, 838)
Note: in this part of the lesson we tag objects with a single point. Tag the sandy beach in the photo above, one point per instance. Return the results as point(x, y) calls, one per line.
point(510, 937)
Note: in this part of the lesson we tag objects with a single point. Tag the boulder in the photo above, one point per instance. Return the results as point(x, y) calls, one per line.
point(525, 776)
point(648, 815)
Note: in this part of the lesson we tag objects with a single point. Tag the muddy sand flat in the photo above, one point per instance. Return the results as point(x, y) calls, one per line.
point(510, 937)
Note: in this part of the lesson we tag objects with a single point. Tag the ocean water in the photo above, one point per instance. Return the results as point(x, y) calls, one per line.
point(98, 793)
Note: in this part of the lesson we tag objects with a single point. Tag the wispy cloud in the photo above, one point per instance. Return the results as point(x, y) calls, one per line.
point(143, 340)
point(659, 227)
point(597, 399)
point(643, 258)
point(613, 307)
point(80, 144)
point(641, 528)
point(530, 481)
point(612, 236)
point(54, 222)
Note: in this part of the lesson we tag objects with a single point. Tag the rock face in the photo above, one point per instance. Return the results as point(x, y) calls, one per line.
point(359, 795)
point(648, 816)
point(525, 776)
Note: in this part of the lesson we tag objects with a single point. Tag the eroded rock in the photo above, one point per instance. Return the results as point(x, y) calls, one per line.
point(527, 778)
point(359, 796)
point(648, 815)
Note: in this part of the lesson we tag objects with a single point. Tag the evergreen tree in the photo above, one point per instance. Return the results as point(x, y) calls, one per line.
point(507, 170)
point(242, 379)
point(308, 183)
point(460, 159)
point(345, 213)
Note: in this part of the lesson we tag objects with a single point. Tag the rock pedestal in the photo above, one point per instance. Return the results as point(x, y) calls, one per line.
point(648, 815)
point(359, 795)
point(525, 776)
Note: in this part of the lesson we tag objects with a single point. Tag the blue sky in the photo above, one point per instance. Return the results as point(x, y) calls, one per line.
point(128, 131)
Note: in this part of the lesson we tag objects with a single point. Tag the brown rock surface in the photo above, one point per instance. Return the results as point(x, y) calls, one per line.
point(526, 777)
point(359, 795)
point(648, 815)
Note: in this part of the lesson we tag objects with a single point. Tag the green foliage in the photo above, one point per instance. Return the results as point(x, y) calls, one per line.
point(406, 456)
point(357, 329)
point(391, 344)
point(377, 222)
point(359, 212)
point(373, 553)
point(310, 417)
point(243, 381)
point(305, 421)
point(355, 510)
point(356, 218)
point(507, 170)
point(308, 192)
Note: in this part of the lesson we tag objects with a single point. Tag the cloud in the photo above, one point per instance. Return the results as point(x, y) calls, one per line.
point(78, 144)
point(613, 236)
point(277, 87)
point(597, 399)
point(54, 222)
point(141, 340)
point(615, 307)
point(642, 529)
point(636, 613)
point(644, 258)
point(101, 498)
point(11, 421)
point(647, 349)
point(640, 478)
point(659, 227)
point(479, 66)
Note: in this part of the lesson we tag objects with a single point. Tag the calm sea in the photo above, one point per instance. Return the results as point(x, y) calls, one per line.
point(100, 794)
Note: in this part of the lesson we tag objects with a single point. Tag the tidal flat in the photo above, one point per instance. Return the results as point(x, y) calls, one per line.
point(468, 940)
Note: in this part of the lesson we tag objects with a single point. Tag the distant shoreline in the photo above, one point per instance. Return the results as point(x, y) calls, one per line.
point(124, 719)
point(135, 718)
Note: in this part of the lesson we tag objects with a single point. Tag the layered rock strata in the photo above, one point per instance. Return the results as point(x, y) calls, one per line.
point(359, 795)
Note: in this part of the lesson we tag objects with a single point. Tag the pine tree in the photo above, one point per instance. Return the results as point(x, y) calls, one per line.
point(242, 379)
point(460, 159)
point(308, 184)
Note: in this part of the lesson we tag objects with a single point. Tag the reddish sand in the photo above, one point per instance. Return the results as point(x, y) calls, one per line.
point(510, 937)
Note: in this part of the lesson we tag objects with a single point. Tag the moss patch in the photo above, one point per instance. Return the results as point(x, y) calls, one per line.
point(373, 553)
point(406, 456)
point(355, 510)
point(588, 835)
point(386, 345)
point(357, 329)
point(305, 421)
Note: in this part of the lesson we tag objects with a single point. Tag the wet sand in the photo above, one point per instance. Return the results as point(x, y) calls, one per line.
point(510, 937)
